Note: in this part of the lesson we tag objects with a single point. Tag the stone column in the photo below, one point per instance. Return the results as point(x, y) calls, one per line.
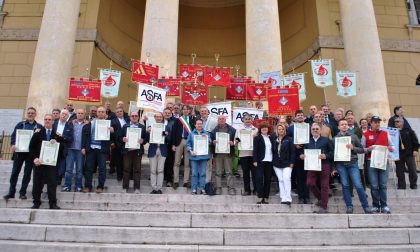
point(363, 55)
point(263, 44)
point(160, 35)
point(48, 88)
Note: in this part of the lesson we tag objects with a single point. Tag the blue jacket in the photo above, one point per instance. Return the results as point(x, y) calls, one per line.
point(258, 153)
point(67, 138)
point(123, 132)
point(286, 156)
point(162, 147)
point(87, 137)
point(324, 144)
point(23, 125)
point(190, 145)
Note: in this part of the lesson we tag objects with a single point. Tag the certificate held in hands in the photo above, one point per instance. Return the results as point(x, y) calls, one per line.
point(312, 160)
point(222, 145)
point(49, 153)
point(102, 130)
point(341, 152)
point(157, 133)
point(133, 135)
point(301, 133)
point(379, 157)
point(23, 138)
point(201, 145)
point(246, 140)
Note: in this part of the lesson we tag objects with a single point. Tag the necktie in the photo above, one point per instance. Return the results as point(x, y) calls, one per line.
point(48, 135)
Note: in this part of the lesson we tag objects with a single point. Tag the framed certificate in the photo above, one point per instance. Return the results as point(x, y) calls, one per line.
point(101, 130)
point(211, 122)
point(222, 145)
point(201, 144)
point(156, 133)
point(246, 140)
point(150, 119)
point(49, 153)
point(341, 152)
point(379, 157)
point(133, 135)
point(301, 133)
point(23, 138)
point(312, 160)
point(361, 160)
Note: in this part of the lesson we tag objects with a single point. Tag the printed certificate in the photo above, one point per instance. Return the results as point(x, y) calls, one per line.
point(246, 140)
point(156, 133)
point(301, 133)
point(102, 130)
point(49, 153)
point(133, 135)
point(222, 145)
point(23, 138)
point(361, 160)
point(341, 152)
point(201, 144)
point(379, 157)
point(312, 160)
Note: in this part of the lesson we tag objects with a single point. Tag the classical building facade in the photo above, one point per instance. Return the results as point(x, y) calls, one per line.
point(44, 42)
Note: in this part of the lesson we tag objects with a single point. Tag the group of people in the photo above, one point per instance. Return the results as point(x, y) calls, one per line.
point(273, 152)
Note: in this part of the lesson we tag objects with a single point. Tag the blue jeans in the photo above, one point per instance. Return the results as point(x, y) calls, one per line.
point(93, 157)
point(378, 185)
point(74, 156)
point(352, 171)
point(198, 168)
point(19, 159)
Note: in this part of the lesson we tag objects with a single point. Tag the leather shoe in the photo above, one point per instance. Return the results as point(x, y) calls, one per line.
point(8, 196)
point(176, 186)
point(87, 190)
point(54, 206)
point(187, 185)
point(246, 193)
point(23, 197)
point(36, 206)
point(99, 190)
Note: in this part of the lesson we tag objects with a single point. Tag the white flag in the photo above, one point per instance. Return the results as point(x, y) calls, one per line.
point(151, 97)
point(110, 82)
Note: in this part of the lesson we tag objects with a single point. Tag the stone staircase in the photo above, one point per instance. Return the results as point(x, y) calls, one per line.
point(179, 221)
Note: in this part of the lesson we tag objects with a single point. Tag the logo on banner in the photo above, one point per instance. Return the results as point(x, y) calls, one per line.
point(296, 80)
point(322, 72)
point(110, 82)
point(171, 85)
point(194, 94)
point(221, 108)
point(272, 78)
point(85, 90)
point(144, 73)
point(283, 101)
point(215, 76)
point(151, 97)
point(346, 83)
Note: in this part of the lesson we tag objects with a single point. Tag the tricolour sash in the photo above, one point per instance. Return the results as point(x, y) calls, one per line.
point(186, 125)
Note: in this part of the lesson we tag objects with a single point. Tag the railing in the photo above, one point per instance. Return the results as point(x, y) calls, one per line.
point(5, 148)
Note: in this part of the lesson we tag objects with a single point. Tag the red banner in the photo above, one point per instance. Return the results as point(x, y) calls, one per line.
point(171, 85)
point(217, 76)
point(191, 72)
point(256, 92)
point(194, 94)
point(144, 73)
point(236, 91)
point(244, 79)
point(270, 121)
point(283, 101)
point(85, 90)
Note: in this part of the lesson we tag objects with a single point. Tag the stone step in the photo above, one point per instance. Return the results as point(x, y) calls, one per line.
point(39, 246)
point(207, 220)
point(210, 236)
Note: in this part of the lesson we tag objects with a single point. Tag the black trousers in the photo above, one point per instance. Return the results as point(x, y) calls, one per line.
point(18, 160)
point(301, 176)
point(116, 162)
point(44, 174)
point(248, 168)
point(263, 174)
point(400, 170)
point(169, 165)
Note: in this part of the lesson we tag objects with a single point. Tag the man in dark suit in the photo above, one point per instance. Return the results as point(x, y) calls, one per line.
point(181, 129)
point(44, 173)
point(116, 163)
point(111, 115)
point(95, 151)
point(169, 121)
point(64, 131)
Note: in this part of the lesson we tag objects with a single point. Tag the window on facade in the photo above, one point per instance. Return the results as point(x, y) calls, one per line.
point(414, 11)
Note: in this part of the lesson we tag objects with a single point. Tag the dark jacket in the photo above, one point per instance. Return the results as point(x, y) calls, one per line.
point(230, 130)
point(324, 144)
point(66, 139)
point(23, 125)
point(87, 137)
point(144, 135)
point(286, 156)
point(115, 123)
point(410, 142)
point(357, 148)
point(162, 147)
point(36, 143)
point(176, 132)
point(258, 153)
point(391, 122)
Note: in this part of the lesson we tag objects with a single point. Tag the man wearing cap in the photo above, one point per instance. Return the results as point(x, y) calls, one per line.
point(378, 178)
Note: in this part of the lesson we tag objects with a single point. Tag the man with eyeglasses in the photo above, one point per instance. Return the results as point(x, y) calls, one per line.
point(132, 157)
point(22, 157)
point(398, 113)
point(44, 173)
point(116, 163)
point(408, 149)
